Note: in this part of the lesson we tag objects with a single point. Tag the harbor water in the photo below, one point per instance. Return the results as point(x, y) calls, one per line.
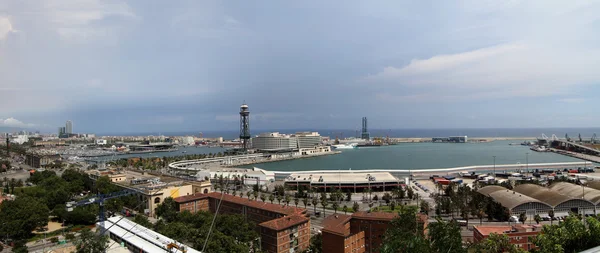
point(406, 156)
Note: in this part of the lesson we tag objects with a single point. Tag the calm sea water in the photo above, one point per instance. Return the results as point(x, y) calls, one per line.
point(420, 156)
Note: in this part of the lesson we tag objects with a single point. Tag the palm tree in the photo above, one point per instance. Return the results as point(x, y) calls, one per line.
point(523, 218)
point(271, 198)
point(335, 206)
point(345, 209)
point(296, 201)
point(551, 215)
point(262, 197)
point(324, 204)
point(537, 218)
point(314, 202)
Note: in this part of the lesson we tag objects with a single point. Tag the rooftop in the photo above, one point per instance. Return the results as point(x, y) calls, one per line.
point(342, 177)
point(337, 224)
point(285, 222)
point(487, 230)
point(508, 198)
point(374, 215)
point(285, 210)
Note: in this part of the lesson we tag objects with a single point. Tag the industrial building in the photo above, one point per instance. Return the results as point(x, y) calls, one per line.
point(361, 232)
point(345, 180)
point(530, 199)
point(39, 161)
point(137, 238)
point(282, 228)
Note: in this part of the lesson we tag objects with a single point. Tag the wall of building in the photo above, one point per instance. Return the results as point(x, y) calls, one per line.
point(374, 231)
point(157, 198)
point(296, 237)
point(274, 141)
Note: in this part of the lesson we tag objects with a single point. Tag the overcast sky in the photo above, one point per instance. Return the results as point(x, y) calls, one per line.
point(124, 66)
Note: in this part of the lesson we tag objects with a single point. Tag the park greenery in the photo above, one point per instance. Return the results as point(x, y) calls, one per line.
point(154, 163)
point(230, 233)
point(46, 199)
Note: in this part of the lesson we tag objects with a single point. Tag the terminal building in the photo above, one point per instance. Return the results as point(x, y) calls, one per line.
point(278, 141)
point(345, 180)
point(281, 228)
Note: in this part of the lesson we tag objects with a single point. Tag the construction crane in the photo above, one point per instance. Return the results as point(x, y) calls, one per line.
point(99, 199)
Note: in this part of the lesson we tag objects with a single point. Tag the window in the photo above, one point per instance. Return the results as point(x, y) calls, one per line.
point(157, 200)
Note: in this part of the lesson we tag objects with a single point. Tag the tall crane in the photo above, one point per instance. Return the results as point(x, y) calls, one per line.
point(99, 199)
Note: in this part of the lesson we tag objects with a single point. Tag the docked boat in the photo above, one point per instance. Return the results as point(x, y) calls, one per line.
point(344, 146)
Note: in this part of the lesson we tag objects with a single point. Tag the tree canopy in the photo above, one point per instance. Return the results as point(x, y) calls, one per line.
point(21, 216)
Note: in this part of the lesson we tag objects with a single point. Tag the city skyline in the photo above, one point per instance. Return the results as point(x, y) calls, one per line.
point(116, 66)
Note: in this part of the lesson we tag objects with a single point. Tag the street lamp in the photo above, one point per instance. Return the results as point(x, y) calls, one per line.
point(494, 166)
point(527, 161)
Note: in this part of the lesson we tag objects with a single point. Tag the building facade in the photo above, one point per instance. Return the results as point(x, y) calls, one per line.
point(282, 228)
point(69, 127)
point(308, 139)
point(274, 141)
point(362, 232)
point(519, 235)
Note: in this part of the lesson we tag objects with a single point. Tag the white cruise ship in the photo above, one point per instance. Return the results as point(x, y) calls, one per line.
point(344, 146)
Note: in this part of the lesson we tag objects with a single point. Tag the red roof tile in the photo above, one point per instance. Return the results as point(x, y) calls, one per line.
point(374, 215)
point(285, 210)
point(284, 222)
point(487, 230)
point(337, 224)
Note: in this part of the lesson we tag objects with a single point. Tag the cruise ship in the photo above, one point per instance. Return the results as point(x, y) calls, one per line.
point(344, 146)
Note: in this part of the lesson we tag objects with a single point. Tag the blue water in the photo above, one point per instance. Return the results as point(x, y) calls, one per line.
point(586, 133)
point(420, 156)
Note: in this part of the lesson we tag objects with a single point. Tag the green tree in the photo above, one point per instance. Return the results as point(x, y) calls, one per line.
point(255, 194)
point(88, 242)
point(324, 204)
point(405, 232)
point(314, 202)
point(335, 206)
point(21, 216)
point(296, 201)
point(425, 207)
point(445, 237)
point(523, 217)
point(355, 207)
point(248, 193)
point(287, 199)
point(345, 209)
point(167, 209)
point(305, 201)
point(271, 198)
point(497, 244)
point(142, 220)
point(262, 197)
point(537, 218)
point(316, 243)
point(279, 198)
point(551, 215)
